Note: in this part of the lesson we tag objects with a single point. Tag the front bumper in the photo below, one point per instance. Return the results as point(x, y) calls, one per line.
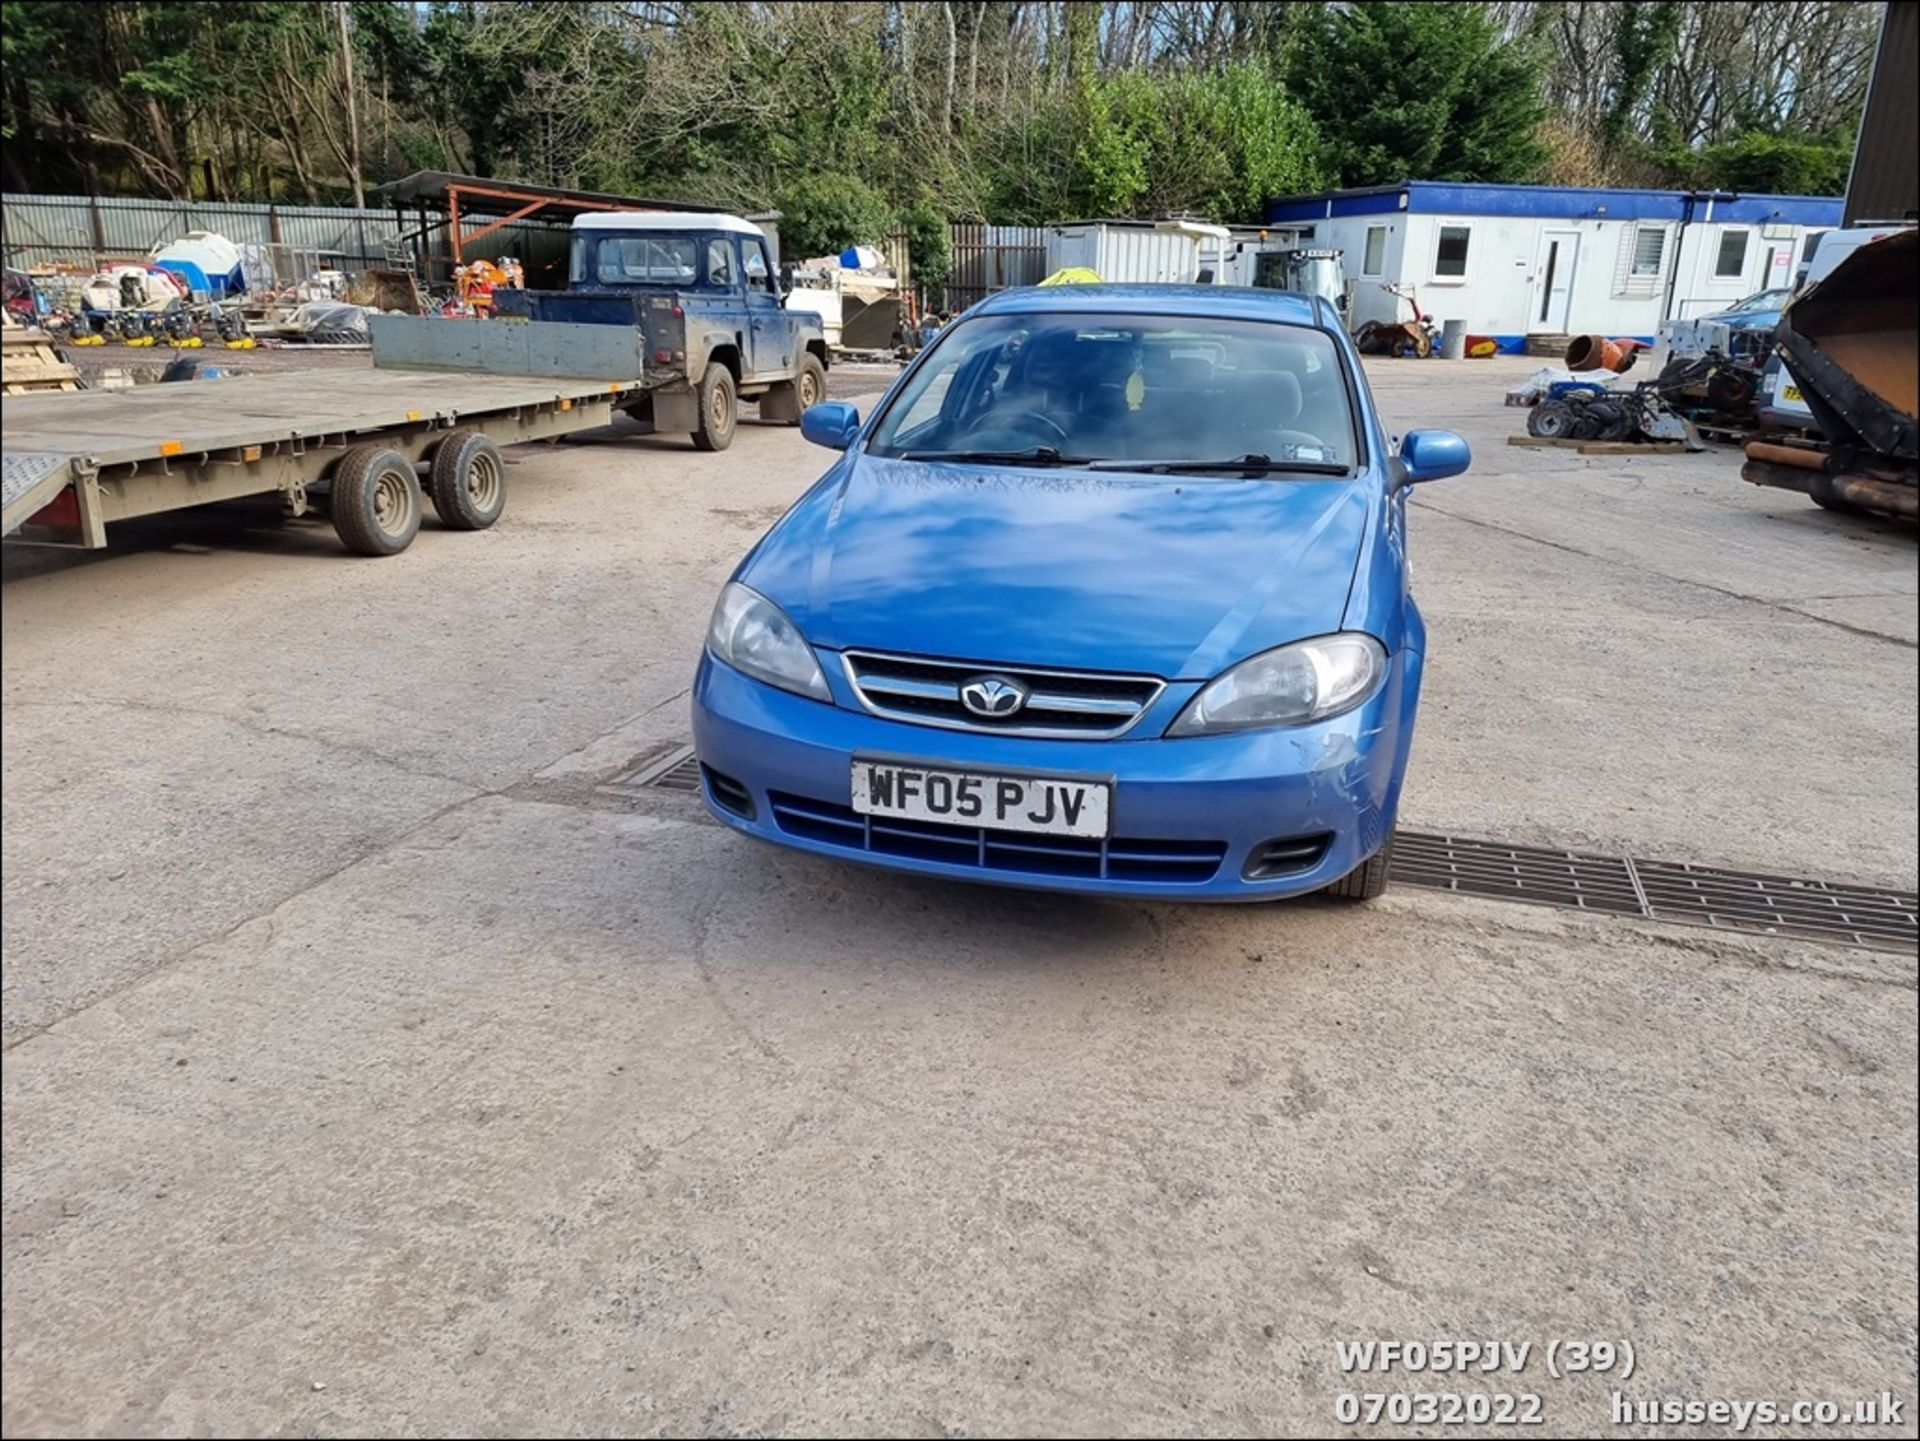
point(1188, 816)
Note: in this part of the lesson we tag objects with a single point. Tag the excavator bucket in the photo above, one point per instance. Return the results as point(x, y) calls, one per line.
point(1852, 343)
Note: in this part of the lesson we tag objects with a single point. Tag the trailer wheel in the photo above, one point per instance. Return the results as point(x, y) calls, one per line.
point(1368, 880)
point(468, 481)
point(718, 409)
point(375, 500)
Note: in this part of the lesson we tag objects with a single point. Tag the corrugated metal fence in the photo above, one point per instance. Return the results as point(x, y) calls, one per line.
point(75, 229)
point(987, 258)
point(79, 229)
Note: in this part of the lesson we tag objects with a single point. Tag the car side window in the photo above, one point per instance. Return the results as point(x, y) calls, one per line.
point(719, 262)
point(758, 272)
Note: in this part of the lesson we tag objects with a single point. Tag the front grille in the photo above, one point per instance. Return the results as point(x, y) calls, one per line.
point(1167, 862)
point(1085, 704)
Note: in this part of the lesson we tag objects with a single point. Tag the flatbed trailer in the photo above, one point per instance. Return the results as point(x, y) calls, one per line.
point(356, 445)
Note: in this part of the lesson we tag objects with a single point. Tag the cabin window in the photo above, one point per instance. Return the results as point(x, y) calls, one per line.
point(1374, 260)
point(1649, 250)
point(1450, 262)
point(1731, 263)
point(719, 262)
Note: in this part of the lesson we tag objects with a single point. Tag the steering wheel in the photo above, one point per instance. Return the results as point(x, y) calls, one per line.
point(1029, 422)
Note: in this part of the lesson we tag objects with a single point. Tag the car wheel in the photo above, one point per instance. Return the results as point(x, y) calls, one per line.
point(810, 385)
point(468, 481)
point(375, 501)
point(1368, 880)
point(717, 409)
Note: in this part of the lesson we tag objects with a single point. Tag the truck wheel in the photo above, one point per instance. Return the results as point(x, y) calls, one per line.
point(375, 501)
point(468, 481)
point(1368, 880)
point(718, 409)
point(810, 385)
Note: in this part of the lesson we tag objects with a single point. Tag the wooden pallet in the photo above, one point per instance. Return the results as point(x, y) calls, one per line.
point(29, 363)
point(1603, 447)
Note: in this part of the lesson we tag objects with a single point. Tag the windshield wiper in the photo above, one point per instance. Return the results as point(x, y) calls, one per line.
point(1252, 463)
point(1034, 455)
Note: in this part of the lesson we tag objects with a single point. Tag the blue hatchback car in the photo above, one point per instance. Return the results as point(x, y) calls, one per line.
point(1108, 595)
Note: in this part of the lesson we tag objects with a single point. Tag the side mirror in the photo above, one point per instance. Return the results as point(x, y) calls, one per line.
point(834, 424)
point(1432, 455)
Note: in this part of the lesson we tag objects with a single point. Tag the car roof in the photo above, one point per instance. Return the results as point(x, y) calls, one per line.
point(677, 220)
point(1223, 302)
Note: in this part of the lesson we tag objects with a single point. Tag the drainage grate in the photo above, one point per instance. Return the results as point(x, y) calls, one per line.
point(1661, 891)
point(682, 775)
point(1572, 880)
point(671, 768)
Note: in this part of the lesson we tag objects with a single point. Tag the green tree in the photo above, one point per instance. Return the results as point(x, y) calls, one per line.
point(824, 214)
point(929, 243)
point(1418, 91)
point(1777, 164)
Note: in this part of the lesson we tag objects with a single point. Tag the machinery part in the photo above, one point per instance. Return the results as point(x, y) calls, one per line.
point(1800, 457)
point(468, 481)
point(1551, 420)
point(1733, 389)
point(375, 500)
point(718, 409)
point(1851, 345)
point(1368, 880)
point(1823, 497)
point(1612, 420)
point(1842, 491)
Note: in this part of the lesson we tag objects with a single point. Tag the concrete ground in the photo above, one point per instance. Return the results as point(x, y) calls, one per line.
point(372, 1068)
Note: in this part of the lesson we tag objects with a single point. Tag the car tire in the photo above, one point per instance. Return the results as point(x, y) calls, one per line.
point(375, 501)
point(809, 386)
point(1368, 880)
point(719, 406)
point(468, 481)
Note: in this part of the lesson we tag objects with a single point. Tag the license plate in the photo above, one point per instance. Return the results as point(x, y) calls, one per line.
point(1041, 805)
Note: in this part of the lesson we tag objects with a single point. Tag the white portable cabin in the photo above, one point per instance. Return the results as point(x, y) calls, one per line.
point(1164, 252)
point(1519, 260)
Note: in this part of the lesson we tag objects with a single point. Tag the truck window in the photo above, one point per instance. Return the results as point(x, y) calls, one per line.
point(719, 262)
point(646, 260)
point(758, 274)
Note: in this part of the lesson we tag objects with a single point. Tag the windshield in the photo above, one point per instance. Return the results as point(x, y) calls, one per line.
point(1125, 388)
point(633, 259)
point(1765, 300)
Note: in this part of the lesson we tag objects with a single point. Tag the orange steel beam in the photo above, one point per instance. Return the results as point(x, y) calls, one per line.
point(459, 238)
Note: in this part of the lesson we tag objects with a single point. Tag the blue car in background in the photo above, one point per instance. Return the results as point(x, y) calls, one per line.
point(1743, 331)
point(1108, 595)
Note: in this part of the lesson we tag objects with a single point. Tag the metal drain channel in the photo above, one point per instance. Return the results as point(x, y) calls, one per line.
point(1574, 880)
point(675, 768)
point(1661, 891)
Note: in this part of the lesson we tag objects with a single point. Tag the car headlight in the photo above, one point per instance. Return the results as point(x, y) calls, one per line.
point(1291, 685)
point(753, 635)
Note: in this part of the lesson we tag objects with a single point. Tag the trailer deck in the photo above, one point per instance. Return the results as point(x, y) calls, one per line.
point(74, 462)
